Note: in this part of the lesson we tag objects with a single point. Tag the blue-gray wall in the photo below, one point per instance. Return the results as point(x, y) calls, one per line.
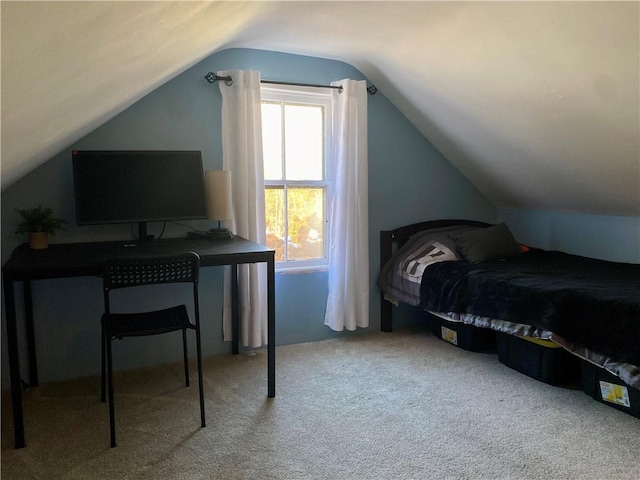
point(409, 181)
point(598, 236)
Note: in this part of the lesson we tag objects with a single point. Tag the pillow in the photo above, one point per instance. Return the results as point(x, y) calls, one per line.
point(491, 243)
point(438, 250)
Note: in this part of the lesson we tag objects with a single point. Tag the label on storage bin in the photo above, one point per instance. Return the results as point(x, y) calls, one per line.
point(449, 335)
point(614, 393)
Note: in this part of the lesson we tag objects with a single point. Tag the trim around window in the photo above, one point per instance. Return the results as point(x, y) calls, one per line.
point(312, 97)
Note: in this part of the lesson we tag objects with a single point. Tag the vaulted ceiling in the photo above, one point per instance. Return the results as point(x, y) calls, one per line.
point(537, 103)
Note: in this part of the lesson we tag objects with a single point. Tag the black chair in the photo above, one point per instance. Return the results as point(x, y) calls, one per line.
point(134, 272)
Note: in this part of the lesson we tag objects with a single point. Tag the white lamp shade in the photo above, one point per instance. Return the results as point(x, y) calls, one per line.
point(218, 194)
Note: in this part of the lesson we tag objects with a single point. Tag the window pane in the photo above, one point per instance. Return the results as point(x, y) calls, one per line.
point(274, 213)
point(306, 223)
point(272, 140)
point(304, 142)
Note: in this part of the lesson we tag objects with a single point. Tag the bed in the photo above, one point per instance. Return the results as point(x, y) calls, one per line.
point(478, 274)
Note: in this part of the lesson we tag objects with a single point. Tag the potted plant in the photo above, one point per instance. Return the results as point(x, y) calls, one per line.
point(39, 223)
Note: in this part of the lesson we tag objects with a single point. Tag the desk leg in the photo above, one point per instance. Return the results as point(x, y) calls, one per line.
point(235, 316)
point(271, 328)
point(14, 360)
point(31, 335)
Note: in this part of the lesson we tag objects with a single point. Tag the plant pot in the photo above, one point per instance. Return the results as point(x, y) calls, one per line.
point(38, 240)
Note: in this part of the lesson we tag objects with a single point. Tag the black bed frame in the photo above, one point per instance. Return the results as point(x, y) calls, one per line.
point(398, 237)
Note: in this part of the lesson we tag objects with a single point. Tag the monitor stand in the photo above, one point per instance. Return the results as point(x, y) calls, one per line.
point(143, 237)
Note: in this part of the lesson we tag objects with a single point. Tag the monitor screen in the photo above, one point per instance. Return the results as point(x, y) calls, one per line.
point(138, 186)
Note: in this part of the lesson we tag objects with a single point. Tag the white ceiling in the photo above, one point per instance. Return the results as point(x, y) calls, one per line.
point(537, 103)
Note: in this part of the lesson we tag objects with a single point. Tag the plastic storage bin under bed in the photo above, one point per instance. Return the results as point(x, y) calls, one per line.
point(609, 389)
point(465, 336)
point(543, 360)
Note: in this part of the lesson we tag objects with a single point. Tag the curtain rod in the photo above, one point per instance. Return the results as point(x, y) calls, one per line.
point(212, 77)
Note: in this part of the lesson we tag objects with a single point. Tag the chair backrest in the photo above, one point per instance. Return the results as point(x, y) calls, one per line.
point(137, 271)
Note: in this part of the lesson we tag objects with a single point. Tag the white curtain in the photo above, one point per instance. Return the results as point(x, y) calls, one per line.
point(348, 300)
point(242, 155)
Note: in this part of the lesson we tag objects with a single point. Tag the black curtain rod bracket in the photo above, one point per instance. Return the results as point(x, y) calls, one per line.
point(212, 77)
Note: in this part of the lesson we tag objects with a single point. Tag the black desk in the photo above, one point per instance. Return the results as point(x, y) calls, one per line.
point(88, 259)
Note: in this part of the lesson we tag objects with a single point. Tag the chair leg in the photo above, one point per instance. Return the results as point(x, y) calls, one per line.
point(186, 357)
point(112, 414)
point(103, 377)
point(200, 384)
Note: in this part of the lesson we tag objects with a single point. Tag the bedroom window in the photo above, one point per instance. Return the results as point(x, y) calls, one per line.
point(295, 136)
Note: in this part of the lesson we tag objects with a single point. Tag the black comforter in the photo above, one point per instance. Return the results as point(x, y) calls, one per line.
point(592, 303)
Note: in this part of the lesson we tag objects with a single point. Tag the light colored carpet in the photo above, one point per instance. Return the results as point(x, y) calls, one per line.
point(381, 406)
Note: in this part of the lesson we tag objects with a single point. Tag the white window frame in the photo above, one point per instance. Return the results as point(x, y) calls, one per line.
point(301, 95)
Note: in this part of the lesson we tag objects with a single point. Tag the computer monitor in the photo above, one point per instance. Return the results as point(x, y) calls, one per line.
point(115, 186)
